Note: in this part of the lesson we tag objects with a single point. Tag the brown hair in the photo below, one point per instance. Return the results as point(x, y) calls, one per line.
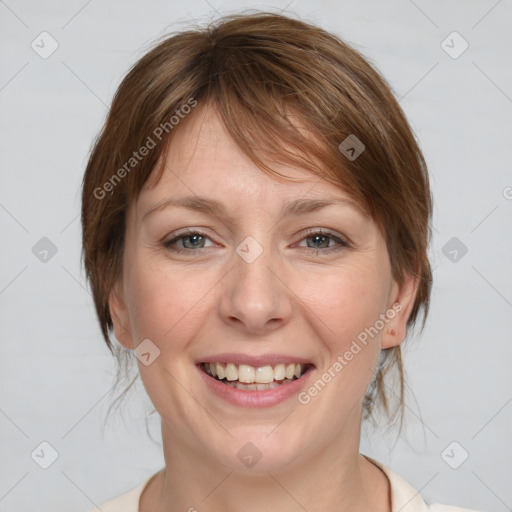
point(264, 73)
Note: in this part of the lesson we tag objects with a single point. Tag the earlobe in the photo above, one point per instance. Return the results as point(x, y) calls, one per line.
point(120, 317)
point(398, 314)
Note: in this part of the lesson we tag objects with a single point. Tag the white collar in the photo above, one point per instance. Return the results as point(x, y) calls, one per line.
point(404, 498)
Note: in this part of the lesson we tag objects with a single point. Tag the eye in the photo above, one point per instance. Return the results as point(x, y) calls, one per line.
point(189, 241)
point(324, 241)
point(193, 241)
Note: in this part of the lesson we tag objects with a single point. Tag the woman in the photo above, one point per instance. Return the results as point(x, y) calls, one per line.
point(255, 222)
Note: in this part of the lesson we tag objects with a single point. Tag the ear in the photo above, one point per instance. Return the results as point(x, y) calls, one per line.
point(120, 316)
point(399, 308)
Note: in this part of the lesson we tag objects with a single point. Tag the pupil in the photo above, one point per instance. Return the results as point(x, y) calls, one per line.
point(316, 239)
point(190, 237)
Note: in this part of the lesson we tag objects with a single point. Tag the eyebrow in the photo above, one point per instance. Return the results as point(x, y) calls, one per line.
point(214, 207)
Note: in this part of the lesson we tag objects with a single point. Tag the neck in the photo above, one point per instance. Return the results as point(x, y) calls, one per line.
point(338, 478)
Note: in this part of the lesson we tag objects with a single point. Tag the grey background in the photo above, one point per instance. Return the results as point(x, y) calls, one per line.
point(56, 373)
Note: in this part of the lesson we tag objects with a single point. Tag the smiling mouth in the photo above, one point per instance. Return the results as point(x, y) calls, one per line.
point(250, 378)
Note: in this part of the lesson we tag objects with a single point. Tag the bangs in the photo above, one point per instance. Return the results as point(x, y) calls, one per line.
point(272, 116)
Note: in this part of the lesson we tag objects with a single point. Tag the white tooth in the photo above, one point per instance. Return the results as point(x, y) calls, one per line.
point(231, 372)
point(256, 386)
point(298, 370)
point(220, 371)
point(290, 371)
point(264, 374)
point(246, 373)
point(279, 372)
point(213, 371)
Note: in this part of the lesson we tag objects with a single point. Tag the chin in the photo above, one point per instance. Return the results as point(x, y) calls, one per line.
point(256, 451)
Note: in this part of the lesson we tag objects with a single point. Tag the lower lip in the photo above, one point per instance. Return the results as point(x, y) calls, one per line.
point(255, 399)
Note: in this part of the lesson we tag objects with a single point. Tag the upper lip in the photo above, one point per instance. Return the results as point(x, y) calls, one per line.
point(256, 361)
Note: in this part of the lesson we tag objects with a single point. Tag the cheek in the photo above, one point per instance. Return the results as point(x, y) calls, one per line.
point(343, 307)
point(345, 301)
point(166, 306)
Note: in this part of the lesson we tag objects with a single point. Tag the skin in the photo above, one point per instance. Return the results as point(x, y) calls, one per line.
point(304, 296)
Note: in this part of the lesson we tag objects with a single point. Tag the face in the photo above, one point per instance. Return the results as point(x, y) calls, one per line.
point(277, 279)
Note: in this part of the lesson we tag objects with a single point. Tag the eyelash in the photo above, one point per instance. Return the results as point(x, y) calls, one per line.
point(342, 243)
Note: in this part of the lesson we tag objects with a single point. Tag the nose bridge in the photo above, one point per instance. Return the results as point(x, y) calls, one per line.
point(254, 296)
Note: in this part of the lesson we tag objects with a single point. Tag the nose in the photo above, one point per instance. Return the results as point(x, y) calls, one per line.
point(255, 298)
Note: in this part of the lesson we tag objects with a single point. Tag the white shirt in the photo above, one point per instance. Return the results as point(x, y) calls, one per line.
point(403, 498)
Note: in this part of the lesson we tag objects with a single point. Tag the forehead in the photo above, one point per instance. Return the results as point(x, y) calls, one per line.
point(203, 160)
